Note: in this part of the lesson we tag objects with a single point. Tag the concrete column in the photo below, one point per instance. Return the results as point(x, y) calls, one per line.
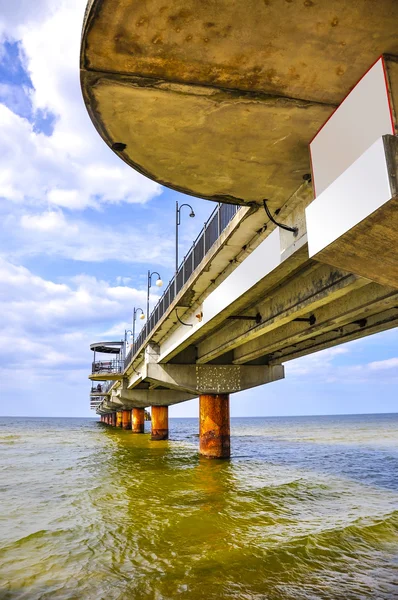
point(159, 422)
point(214, 428)
point(138, 420)
point(126, 419)
point(119, 418)
point(101, 418)
point(113, 419)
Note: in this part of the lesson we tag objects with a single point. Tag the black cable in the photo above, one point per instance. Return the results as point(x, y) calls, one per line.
point(271, 218)
point(182, 322)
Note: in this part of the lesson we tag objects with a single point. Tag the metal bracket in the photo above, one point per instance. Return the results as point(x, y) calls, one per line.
point(311, 320)
point(361, 322)
point(135, 371)
point(271, 218)
point(256, 318)
point(182, 322)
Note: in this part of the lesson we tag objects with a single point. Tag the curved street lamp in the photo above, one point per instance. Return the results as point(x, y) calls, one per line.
point(178, 223)
point(126, 331)
point(158, 283)
point(142, 317)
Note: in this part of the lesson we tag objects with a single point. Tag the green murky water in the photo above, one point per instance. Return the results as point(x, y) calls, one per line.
point(306, 508)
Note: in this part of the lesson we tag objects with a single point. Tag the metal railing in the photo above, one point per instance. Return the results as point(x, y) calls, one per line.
point(107, 366)
point(214, 226)
point(95, 401)
point(101, 388)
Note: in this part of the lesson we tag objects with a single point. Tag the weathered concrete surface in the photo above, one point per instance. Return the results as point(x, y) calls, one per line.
point(207, 73)
point(213, 379)
point(214, 426)
point(146, 397)
point(106, 376)
point(367, 245)
point(119, 419)
point(370, 248)
point(159, 422)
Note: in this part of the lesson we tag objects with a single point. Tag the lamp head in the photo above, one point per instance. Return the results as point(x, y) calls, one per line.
point(159, 282)
point(192, 214)
point(142, 316)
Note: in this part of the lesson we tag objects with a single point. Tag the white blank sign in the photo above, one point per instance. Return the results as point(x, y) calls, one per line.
point(362, 118)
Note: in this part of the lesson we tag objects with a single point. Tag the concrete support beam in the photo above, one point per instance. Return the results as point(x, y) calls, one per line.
point(308, 291)
point(160, 422)
point(214, 427)
point(352, 308)
point(138, 420)
point(213, 379)
point(126, 419)
point(354, 331)
point(142, 398)
point(119, 420)
point(353, 223)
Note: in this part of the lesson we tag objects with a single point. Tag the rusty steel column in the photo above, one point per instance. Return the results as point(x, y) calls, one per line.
point(159, 422)
point(119, 418)
point(138, 420)
point(214, 428)
point(126, 419)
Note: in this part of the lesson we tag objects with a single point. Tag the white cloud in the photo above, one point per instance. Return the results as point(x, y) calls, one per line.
point(48, 221)
point(72, 168)
point(320, 367)
point(314, 363)
point(47, 327)
point(382, 365)
point(51, 232)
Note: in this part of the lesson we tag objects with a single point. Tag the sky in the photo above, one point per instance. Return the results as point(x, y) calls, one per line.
point(79, 230)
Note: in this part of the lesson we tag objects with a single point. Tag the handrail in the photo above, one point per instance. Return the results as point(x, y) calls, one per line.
point(213, 227)
point(107, 366)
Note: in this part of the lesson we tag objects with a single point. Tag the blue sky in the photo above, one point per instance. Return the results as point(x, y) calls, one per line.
point(79, 230)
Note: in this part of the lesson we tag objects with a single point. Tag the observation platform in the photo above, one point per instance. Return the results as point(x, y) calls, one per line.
point(109, 369)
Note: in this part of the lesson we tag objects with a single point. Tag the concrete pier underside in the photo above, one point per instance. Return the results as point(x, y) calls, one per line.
point(226, 85)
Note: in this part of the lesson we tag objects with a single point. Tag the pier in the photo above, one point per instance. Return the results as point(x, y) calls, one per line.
point(300, 253)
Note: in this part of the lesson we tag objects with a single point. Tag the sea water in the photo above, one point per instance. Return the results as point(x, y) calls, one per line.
point(307, 508)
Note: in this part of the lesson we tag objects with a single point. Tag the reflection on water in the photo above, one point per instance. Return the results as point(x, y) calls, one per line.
point(306, 508)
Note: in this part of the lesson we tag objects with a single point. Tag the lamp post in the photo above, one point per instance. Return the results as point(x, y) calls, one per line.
point(142, 316)
point(178, 222)
point(126, 331)
point(158, 283)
